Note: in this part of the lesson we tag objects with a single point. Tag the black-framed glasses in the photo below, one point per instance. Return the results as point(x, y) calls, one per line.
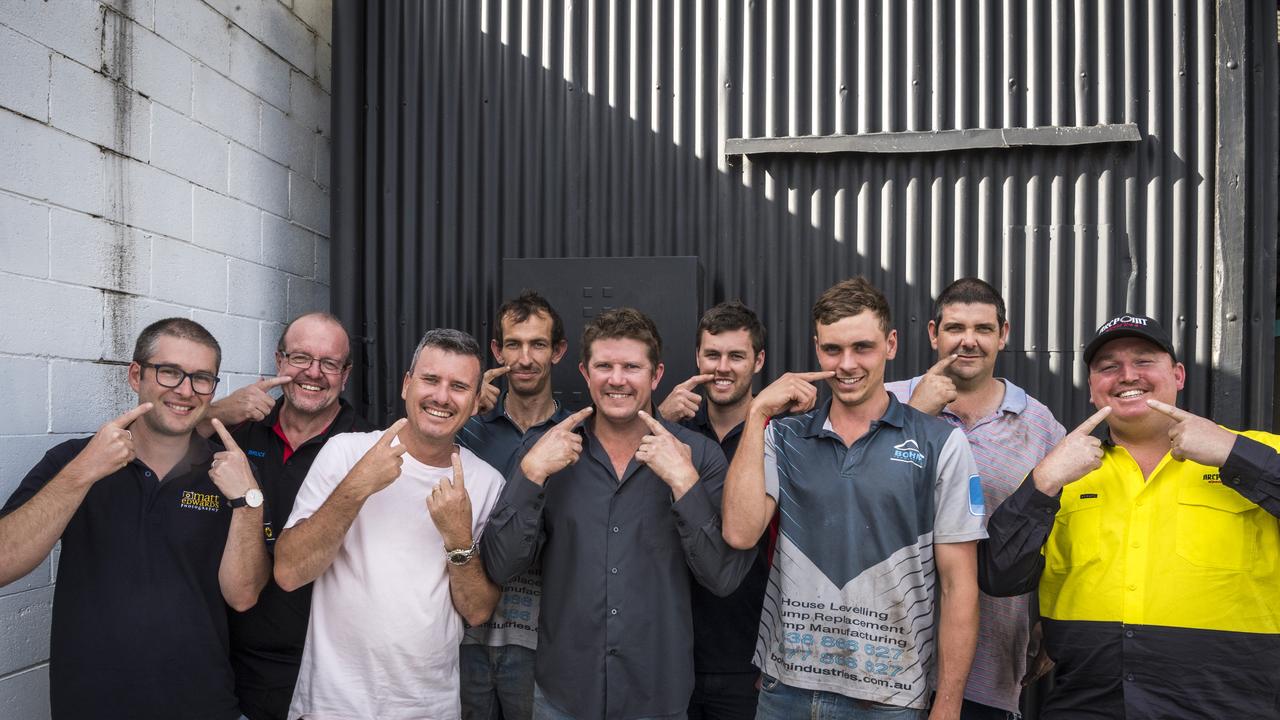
point(328, 366)
point(171, 376)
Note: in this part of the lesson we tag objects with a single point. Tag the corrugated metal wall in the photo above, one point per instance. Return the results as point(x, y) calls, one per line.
point(473, 131)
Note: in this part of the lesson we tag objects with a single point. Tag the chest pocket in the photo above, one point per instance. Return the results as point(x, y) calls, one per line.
point(1214, 528)
point(1076, 537)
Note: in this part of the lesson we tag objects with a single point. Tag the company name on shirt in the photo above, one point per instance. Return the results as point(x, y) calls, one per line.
point(192, 500)
point(1215, 478)
point(908, 452)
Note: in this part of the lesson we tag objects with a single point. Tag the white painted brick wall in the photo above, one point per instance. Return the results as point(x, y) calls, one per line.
point(157, 158)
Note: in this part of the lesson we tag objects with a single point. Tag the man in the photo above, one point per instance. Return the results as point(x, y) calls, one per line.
point(1009, 432)
point(619, 513)
point(1154, 544)
point(386, 525)
point(730, 353)
point(878, 504)
point(157, 533)
point(498, 656)
point(313, 362)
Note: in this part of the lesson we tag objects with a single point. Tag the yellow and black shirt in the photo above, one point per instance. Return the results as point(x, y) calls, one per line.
point(1160, 597)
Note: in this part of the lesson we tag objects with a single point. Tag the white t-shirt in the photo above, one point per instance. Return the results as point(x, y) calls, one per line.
point(383, 638)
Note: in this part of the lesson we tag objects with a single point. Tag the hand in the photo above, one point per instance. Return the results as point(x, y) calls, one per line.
point(230, 470)
point(1195, 438)
point(667, 457)
point(450, 509)
point(488, 398)
point(683, 402)
point(793, 392)
point(944, 713)
point(936, 389)
point(1038, 661)
point(249, 403)
point(1077, 455)
point(111, 448)
point(557, 449)
point(380, 465)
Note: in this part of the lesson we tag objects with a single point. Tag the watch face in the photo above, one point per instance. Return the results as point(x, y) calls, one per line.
point(253, 498)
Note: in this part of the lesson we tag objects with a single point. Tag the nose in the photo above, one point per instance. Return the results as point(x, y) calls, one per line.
point(185, 388)
point(440, 394)
point(524, 357)
point(722, 365)
point(848, 362)
point(1128, 372)
point(313, 371)
point(615, 375)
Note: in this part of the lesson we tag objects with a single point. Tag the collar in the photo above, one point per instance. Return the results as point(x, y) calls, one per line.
point(820, 418)
point(199, 453)
point(500, 411)
point(701, 422)
point(341, 422)
point(1015, 398)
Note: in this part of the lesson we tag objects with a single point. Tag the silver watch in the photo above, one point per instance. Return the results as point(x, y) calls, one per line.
point(462, 557)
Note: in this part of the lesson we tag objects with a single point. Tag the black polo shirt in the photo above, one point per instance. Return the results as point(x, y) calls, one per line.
point(266, 641)
point(725, 628)
point(139, 621)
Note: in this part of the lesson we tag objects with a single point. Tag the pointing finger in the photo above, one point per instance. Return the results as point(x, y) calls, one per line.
point(126, 419)
point(1167, 409)
point(942, 364)
point(495, 373)
point(816, 375)
point(227, 441)
point(576, 419)
point(277, 381)
point(654, 425)
point(392, 432)
point(1094, 421)
point(456, 459)
point(695, 381)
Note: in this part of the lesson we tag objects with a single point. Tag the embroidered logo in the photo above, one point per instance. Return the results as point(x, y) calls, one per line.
point(192, 500)
point(908, 452)
point(1214, 478)
point(256, 453)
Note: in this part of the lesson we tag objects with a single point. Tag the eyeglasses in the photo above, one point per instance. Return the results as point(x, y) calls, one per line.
point(171, 376)
point(328, 366)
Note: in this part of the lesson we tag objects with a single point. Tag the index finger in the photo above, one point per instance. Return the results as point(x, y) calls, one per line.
point(942, 364)
point(457, 470)
point(392, 432)
point(695, 381)
point(1167, 409)
point(495, 373)
point(227, 441)
point(1094, 421)
point(653, 424)
point(277, 381)
point(816, 375)
point(576, 419)
point(124, 420)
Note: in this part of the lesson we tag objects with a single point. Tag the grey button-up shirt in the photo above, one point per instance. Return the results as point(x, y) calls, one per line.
point(616, 633)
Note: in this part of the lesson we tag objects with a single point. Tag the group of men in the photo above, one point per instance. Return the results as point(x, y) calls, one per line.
point(816, 549)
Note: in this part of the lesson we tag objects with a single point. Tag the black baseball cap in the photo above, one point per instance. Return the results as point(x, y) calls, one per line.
point(1139, 326)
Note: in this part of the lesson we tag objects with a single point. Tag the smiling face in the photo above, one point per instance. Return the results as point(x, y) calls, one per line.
point(730, 358)
point(1127, 372)
point(971, 331)
point(439, 394)
point(856, 349)
point(313, 390)
point(526, 348)
point(178, 409)
point(620, 378)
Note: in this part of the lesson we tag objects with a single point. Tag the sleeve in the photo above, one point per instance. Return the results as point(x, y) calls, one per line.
point(1253, 470)
point(716, 566)
point(331, 465)
point(771, 461)
point(901, 389)
point(38, 476)
point(959, 508)
point(514, 534)
point(489, 482)
point(1010, 560)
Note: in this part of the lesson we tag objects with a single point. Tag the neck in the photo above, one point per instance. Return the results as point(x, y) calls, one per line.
point(727, 417)
point(609, 431)
point(429, 451)
point(158, 451)
point(530, 410)
point(300, 427)
point(977, 398)
point(1147, 437)
point(863, 413)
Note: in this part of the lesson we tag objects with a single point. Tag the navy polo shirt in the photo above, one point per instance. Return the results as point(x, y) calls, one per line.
point(724, 628)
point(267, 640)
point(139, 621)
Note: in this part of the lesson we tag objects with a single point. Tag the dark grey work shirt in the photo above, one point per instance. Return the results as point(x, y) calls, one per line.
point(616, 637)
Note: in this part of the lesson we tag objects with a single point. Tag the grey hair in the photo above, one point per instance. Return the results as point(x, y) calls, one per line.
point(450, 341)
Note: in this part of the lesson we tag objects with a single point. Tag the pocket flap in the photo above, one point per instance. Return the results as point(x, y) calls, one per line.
point(1214, 496)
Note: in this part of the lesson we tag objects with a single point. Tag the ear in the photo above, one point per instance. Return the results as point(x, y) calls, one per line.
point(558, 352)
point(585, 375)
point(759, 363)
point(1180, 374)
point(657, 377)
point(346, 375)
point(404, 387)
point(1004, 334)
point(891, 345)
point(135, 376)
point(496, 349)
point(933, 334)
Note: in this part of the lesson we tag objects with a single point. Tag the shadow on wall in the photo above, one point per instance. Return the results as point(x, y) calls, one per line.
point(470, 133)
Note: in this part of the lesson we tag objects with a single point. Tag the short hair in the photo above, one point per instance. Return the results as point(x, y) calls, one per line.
point(176, 327)
point(732, 315)
point(851, 297)
point(969, 291)
point(450, 341)
point(321, 315)
point(626, 323)
point(522, 306)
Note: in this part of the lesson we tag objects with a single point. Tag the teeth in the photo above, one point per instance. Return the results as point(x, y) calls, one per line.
point(312, 388)
point(617, 395)
point(1130, 393)
point(724, 383)
point(847, 381)
point(181, 409)
point(438, 413)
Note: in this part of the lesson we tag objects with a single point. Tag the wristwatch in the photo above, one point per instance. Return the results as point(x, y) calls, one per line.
point(252, 498)
point(461, 557)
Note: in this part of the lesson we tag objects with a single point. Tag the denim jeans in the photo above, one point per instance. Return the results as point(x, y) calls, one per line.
point(497, 682)
point(783, 702)
point(977, 711)
point(724, 696)
point(544, 710)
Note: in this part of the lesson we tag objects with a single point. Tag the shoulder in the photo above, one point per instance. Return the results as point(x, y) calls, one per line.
point(476, 468)
point(346, 444)
point(901, 388)
point(1271, 440)
point(1040, 418)
point(791, 425)
point(933, 428)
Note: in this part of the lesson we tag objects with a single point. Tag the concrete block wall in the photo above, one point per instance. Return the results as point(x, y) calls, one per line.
point(157, 158)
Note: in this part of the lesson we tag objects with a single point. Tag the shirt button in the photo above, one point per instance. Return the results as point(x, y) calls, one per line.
point(615, 528)
point(1129, 677)
point(146, 473)
point(613, 611)
point(612, 651)
point(1235, 480)
point(541, 495)
point(1128, 633)
point(613, 571)
point(1133, 587)
point(1137, 544)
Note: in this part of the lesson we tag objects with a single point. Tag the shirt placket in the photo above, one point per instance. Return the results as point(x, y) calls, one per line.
point(1137, 559)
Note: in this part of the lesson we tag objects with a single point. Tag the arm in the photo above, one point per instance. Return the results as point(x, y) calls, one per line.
point(1253, 469)
point(308, 547)
point(957, 624)
point(715, 564)
point(244, 568)
point(449, 505)
point(1010, 559)
point(249, 403)
point(747, 507)
point(474, 596)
